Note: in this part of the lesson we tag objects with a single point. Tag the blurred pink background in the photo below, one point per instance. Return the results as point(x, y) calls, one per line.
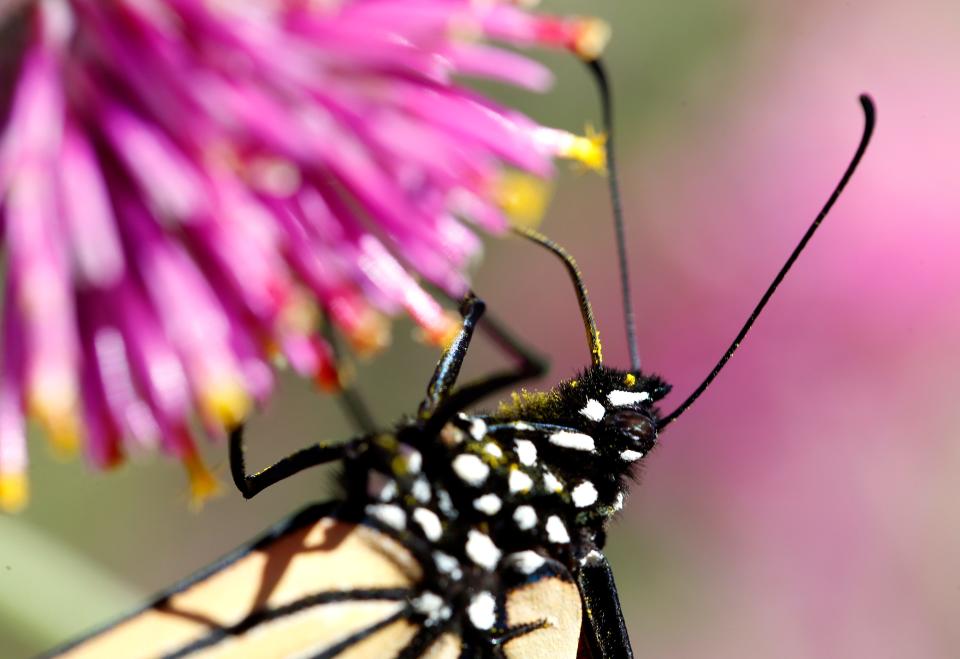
point(807, 505)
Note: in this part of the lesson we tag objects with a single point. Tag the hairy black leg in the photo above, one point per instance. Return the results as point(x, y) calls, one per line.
point(448, 368)
point(442, 402)
point(529, 365)
point(252, 484)
point(321, 453)
point(605, 629)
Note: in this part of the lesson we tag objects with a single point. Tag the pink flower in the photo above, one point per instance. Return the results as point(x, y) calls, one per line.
point(185, 183)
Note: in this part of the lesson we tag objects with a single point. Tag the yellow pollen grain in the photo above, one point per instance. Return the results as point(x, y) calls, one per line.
point(63, 431)
point(14, 492)
point(55, 408)
point(203, 484)
point(599, 346)
point(372, 334)
point(387, 441)
point(443, 333)
point(630, 379)
point(489, 458)
point(592, 38)
point(523, 198)
point(399, 466)
point(588, 150)
point(227, 403)
point(299, 313)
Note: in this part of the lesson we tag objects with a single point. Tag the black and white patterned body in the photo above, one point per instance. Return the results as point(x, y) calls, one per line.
point(497, 498)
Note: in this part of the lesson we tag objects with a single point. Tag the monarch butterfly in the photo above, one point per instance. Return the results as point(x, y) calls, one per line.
point(457, 534)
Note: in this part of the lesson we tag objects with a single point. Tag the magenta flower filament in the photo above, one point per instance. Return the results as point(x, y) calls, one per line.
point(186, 186)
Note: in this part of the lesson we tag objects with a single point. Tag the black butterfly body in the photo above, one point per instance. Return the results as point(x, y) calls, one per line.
point(502, 493)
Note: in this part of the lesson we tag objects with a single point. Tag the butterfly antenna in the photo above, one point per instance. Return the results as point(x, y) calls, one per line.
point(586, 311)
point(869, 112)
point(613, 182)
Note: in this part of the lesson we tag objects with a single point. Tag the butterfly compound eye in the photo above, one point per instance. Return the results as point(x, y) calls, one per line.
point(636, 426)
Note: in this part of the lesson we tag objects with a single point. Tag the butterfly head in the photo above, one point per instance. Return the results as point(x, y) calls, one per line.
point(618, 408)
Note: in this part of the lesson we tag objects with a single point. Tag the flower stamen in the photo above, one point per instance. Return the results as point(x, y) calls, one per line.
point(56, 412)
point(522, 197)
point(14, 492)
point(588, 150)
point(441, 331)
point(226, 402)
point(203, 483)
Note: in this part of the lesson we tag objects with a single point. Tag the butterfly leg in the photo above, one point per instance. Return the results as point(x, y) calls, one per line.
point(252, 484)
point(440, 391)
point(605, 629)
point(448, 368)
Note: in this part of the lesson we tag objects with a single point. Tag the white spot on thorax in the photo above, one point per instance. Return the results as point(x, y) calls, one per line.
point(556, 531)
point(470, 469)
point(573, 440)
point(421, 490)
point(445, 503)
point(448, 565)
point(452, 435)
point(525, 517)
point(429, 522)
point(551, 482)
point(414, 462)
point(593, 410)
point(525, 562)
point(526, 452)
point(493, 450)
point(481, 550)
point(380, 487)
point(519, 482)
point(488, 504)
point(478, 429)
point(619, 398)
point(584, 494)
point(483, 610)
point(391, 515)
point(630, 456)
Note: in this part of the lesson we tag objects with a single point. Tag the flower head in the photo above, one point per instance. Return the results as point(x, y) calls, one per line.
point(186, 185)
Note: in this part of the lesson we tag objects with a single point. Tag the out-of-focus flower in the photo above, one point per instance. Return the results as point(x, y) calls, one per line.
point(184, 183)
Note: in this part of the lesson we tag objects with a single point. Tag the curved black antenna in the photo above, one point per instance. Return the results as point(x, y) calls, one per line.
point(586, 311)
point(870, 118)
point(606, 105)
